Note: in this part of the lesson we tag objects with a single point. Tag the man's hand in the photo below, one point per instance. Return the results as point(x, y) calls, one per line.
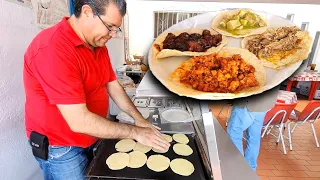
point(151, 137)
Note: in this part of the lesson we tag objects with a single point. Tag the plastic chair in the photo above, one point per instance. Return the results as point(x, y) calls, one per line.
point(309, 114)
point(277, 117)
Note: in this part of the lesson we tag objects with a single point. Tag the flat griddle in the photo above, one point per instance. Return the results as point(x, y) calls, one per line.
point(99, 169)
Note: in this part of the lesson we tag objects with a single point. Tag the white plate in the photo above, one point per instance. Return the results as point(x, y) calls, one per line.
point(175, 115)
point(162, 70)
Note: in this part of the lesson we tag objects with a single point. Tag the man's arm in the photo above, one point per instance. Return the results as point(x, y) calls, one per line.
point(81, 120)
point(122, 100)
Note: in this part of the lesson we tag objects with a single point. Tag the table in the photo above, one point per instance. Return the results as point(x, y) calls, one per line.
point(313, 77)
point(286, 97)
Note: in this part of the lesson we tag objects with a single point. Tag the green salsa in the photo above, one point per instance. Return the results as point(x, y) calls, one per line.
point(242, 21)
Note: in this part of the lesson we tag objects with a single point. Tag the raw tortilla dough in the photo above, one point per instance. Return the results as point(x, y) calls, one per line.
point(118, 161)
point(159, 151)
point(167, 138)
point(182, 149)
point(142, 148)
point(125, 145)
point(181, 138)
point(182, 167)
point(137, 159)
point(158, 163)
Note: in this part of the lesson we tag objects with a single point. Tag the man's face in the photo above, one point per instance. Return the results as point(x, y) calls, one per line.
point(94, 28)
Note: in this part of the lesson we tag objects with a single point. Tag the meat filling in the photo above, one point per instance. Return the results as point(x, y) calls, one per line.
point(192, 42)
point(274, 41)
point(219, 74)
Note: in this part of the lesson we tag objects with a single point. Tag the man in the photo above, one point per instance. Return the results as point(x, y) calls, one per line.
point(248, 115)
point(67, 77)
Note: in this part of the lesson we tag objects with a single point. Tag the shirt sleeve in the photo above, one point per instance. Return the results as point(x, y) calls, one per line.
point(112, 75)
point(60, 76)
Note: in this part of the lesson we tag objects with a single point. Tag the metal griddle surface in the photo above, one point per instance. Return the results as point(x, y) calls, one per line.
point(98, 167)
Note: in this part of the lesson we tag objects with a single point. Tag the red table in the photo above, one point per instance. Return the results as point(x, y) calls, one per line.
point(286, 97)
point(313, 77)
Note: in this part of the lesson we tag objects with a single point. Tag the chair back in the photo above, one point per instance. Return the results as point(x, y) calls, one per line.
point(311, 111)
point(279, 114)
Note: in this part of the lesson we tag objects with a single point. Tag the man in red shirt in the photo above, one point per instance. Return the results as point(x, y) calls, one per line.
point(67, 78)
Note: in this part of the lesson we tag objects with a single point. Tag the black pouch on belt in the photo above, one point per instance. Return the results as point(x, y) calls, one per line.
point(40, 144)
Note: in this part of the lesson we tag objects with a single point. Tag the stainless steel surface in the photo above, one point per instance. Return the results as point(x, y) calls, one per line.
point(221, 158)
point(151, 87)
point(211, 141)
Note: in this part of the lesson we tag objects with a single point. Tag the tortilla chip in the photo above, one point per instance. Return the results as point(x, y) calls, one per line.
point(299, 54)
point(172, 52)
point(174, 85)
point(246, 32)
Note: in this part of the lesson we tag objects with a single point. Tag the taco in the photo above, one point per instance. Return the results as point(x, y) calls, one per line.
point(190, 42)
point(239, 23)
point(230, 73)
point(279, 47)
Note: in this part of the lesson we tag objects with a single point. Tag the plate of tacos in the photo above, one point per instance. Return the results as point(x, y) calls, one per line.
point(210, 57)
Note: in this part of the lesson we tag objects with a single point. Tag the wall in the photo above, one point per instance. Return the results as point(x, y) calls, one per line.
point(141, 20)
point(116, 51)
point(16, 160)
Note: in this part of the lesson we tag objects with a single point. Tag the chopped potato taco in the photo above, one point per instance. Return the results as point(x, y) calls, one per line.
point(190, 42)
point(279, 47)
point(232, 72)
point(239, 23)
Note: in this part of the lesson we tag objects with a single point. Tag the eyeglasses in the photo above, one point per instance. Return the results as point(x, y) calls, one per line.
point(118, 30)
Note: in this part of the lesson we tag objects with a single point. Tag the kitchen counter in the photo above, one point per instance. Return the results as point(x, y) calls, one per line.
point(220, 157)
point(226, 161)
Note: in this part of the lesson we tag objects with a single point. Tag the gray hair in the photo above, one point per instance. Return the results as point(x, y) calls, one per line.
point(99, 6)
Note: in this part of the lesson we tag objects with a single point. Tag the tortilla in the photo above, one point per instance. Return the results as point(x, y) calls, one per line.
point(167, 138)
point(137, 159)
point(142, 148)
point(182, 149)
point(297, 55)
point(173, 83)
point(172, 52)
point(159, 151)
point(182, 167)
point(181, 138)
point(158, 163)
point(118, 161)
point(125, 145)
point(245, 32)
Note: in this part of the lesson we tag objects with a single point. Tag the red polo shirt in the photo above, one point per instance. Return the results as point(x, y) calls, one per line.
point(59, 68)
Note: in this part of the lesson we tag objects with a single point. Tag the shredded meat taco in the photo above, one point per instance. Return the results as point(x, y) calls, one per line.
point(278, 47)
point(190, 42)
point(230, 72)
